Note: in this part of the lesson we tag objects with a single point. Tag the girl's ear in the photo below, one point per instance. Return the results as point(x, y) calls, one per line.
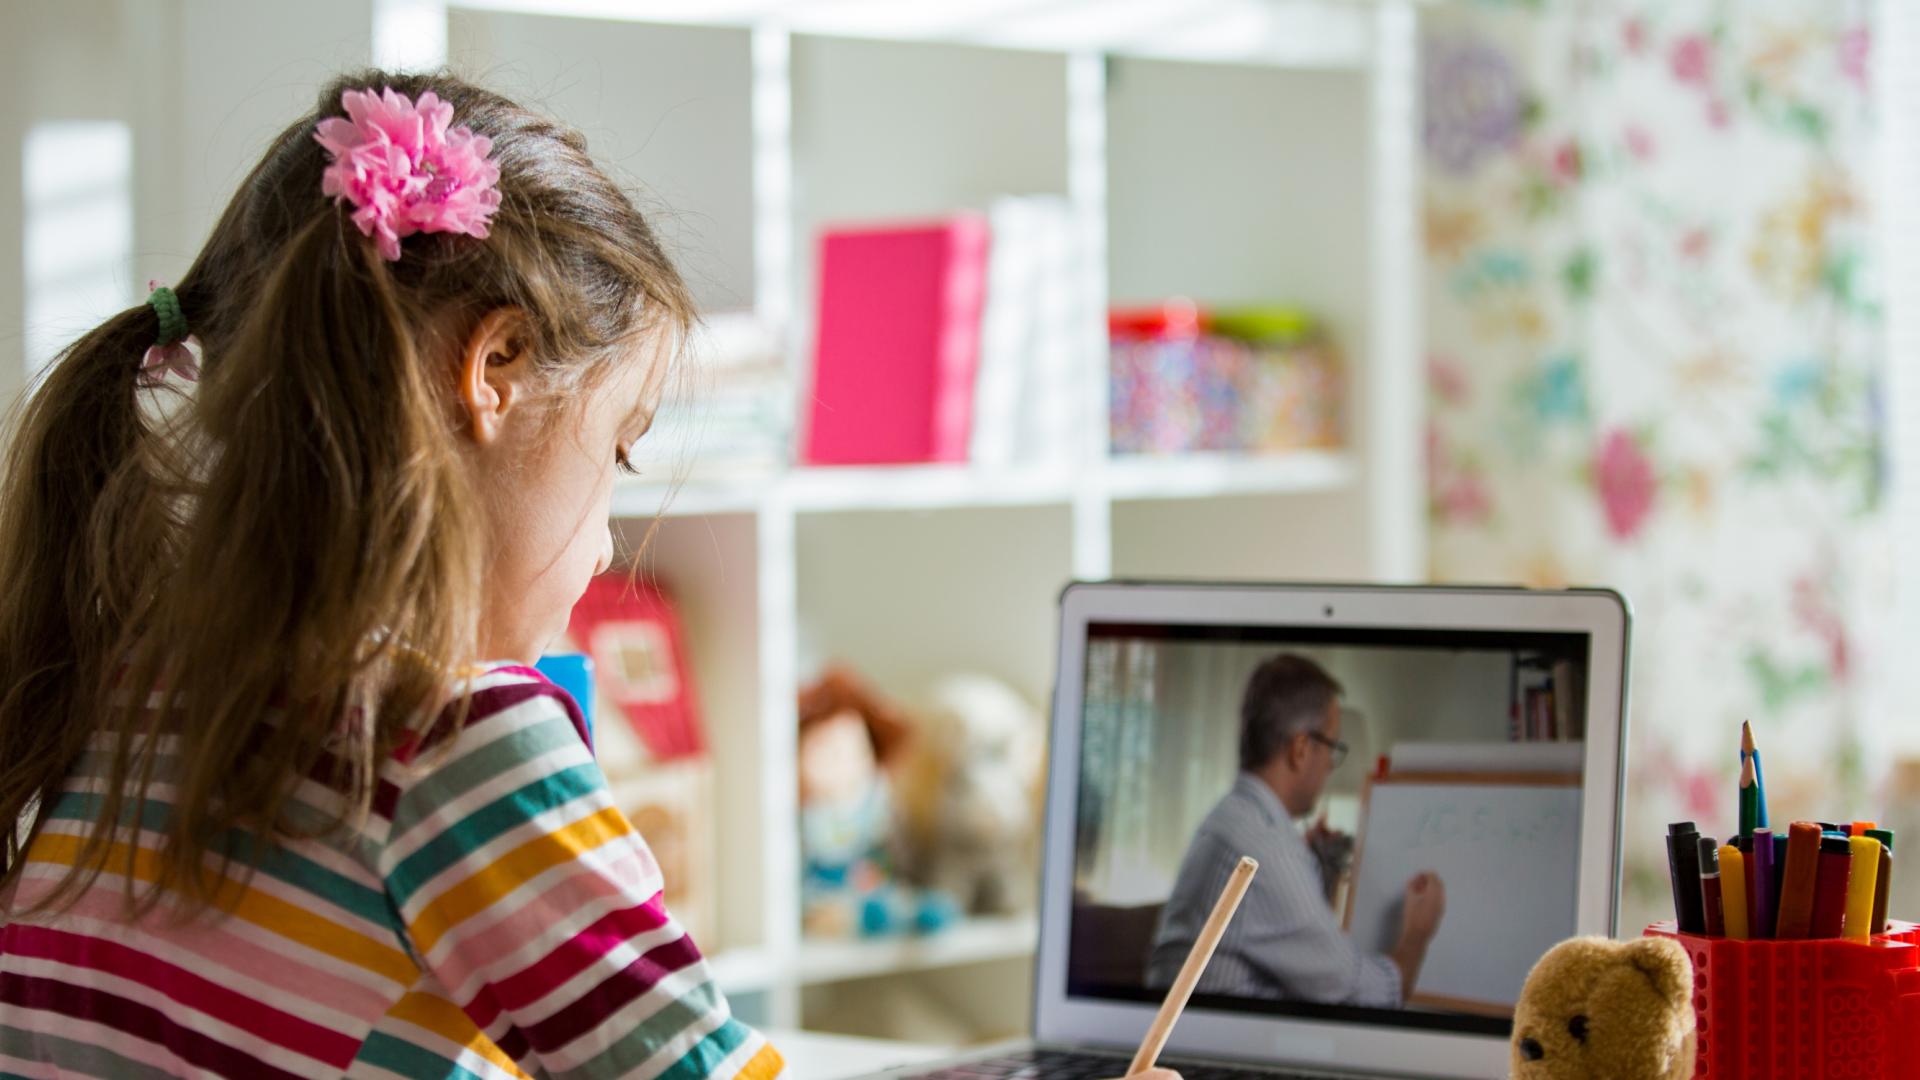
point(494, 369)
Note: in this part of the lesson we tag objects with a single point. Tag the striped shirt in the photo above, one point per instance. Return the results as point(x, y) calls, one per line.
point(1284, 942)
point(495, 916)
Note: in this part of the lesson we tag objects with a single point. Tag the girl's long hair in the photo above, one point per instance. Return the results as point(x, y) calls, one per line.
point(280, 579)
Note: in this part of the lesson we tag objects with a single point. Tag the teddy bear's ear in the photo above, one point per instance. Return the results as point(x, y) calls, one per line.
point(1665, 964)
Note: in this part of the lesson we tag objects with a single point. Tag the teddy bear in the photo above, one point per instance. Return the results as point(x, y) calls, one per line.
point(972, 785)
point(1594, 1009)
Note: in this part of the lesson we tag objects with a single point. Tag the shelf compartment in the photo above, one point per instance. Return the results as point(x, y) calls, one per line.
point(1199, 476)
point(925, 487)
point(959, 487)
point(1298, 34)
point(746, 971)
point(641, 498)
point(1310, 536)
point(972, 941)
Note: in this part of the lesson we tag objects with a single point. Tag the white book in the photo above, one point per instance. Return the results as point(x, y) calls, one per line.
point(1006, 326)
point(1050, 393)
point(731, 411)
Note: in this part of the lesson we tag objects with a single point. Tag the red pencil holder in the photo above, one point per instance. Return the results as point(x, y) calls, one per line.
point(1806, 1010)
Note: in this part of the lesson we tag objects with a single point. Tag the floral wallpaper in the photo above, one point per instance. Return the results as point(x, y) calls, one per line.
point(1655, 363)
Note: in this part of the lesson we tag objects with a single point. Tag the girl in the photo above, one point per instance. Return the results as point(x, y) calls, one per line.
point(277, 817)
point(289, 803)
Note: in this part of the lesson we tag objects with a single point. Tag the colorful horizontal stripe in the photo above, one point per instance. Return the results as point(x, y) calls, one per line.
point(496, 917)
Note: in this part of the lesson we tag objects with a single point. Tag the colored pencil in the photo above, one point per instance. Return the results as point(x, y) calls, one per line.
point(1747, 805)
point(1753, 784)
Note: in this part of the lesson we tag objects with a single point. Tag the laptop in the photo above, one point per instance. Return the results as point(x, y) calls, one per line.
point(1479, 735)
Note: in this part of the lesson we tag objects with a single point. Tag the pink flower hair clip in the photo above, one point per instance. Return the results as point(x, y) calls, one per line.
point(405, 170)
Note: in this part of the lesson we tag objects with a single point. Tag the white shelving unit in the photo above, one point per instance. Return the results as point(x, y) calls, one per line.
point(947, 487)
point(1243, 151)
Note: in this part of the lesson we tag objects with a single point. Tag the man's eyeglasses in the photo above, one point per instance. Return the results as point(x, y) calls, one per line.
point(1339, 748)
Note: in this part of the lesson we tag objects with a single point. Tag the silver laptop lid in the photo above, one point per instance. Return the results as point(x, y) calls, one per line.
point(1482, 737)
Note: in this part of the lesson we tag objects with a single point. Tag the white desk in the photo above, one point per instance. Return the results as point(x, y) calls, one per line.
point(813, 1056)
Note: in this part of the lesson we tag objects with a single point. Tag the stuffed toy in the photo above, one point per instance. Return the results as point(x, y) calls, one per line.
point(848, 826)
point(1595, 1009)
point(971, 788)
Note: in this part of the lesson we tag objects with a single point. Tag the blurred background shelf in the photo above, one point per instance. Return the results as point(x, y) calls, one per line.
point(1199, 476)
point(745, 971)
point(643, 497)
point(960, 487)
point(924, 487)
point(972, 941)
point(1331, 33)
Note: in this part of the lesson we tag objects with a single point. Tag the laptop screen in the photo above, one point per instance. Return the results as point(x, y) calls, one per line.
point(1413, 798)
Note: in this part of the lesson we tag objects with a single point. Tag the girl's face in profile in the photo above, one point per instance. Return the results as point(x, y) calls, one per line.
point(548, 482)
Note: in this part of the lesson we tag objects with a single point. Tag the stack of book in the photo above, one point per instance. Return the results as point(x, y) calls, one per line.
point(730, 412)
point(1548, 701)
point(952, 340)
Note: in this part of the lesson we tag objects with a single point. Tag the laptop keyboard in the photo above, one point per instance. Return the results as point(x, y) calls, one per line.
point(1074, 1065)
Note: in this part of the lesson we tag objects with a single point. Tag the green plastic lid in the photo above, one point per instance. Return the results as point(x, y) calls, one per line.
point(1275, 323)
point(1885, 836)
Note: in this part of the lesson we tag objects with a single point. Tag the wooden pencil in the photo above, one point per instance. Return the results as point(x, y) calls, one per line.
point(1196, 964)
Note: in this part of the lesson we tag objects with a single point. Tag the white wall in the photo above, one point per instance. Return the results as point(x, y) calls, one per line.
point(246, 70)
point(904, 596)
point(203, 85)
point(671, 104)
point(64, 60)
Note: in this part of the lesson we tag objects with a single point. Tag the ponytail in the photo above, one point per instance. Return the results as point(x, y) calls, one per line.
point(72, 475)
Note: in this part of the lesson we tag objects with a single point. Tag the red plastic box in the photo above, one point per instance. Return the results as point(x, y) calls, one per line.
point(1806, 1010)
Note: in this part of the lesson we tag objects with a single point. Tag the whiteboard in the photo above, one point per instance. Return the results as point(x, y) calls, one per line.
point(1508, 854)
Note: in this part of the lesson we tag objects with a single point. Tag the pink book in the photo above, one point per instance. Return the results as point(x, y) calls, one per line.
point(896, 342)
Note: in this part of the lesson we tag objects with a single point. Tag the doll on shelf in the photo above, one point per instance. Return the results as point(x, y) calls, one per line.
point(848, 738)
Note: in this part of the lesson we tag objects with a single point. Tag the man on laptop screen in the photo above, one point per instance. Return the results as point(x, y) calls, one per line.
point(1287, 941)
point(1201, 744)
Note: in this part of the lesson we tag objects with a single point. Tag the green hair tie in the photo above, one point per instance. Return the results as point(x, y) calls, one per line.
point(173, 324)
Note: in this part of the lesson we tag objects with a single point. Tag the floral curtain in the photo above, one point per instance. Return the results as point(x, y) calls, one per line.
point(1655, 361)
